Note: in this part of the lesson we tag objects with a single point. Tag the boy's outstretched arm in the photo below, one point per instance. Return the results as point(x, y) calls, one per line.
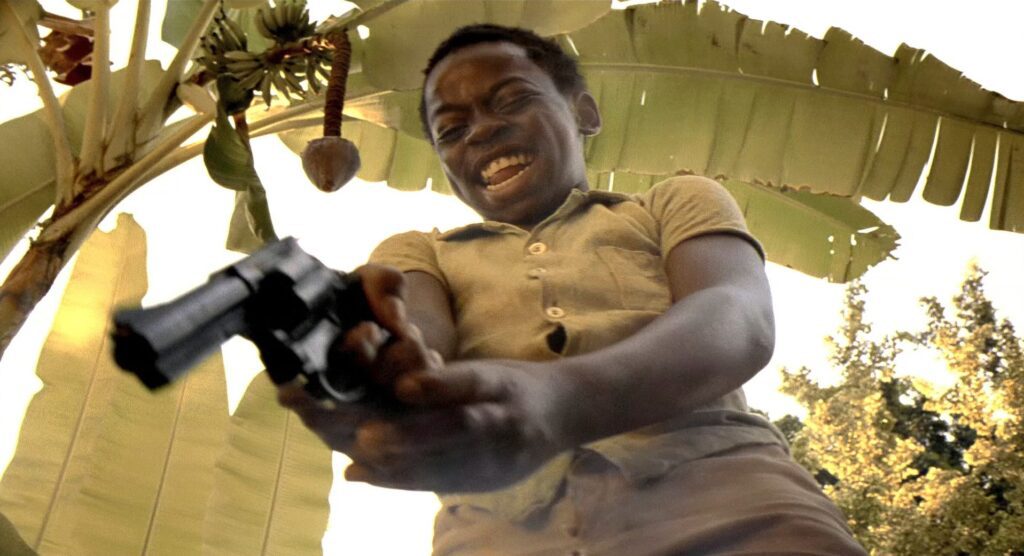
point(485, 424)
point(718, 334)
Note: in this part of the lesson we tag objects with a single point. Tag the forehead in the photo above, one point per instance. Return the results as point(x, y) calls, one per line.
point(473, 70)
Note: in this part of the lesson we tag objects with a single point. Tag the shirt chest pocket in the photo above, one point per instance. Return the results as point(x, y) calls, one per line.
point(638, 275)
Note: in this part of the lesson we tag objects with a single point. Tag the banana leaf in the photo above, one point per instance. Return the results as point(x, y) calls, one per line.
point(12, 46)
point(76, 101)
point(11, 542)
point(27, 189)
point(767, 104)
point(272, 482)
point(391, 59)
point(179, 14)
point(230, 163)
point(102, 465)
point(699, 88)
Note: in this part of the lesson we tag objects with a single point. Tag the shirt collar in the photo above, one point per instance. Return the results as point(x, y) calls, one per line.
point(573, 201)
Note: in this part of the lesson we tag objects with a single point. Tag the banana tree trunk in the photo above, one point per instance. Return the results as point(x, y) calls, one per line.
point(33, 276)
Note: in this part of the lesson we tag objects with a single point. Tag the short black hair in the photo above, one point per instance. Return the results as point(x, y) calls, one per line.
point(561, 67)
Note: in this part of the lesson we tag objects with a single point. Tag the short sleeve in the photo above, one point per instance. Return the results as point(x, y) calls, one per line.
point(409, 251)
point(689, 206)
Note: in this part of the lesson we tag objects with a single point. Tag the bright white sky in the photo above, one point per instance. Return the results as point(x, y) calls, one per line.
point(185, 216)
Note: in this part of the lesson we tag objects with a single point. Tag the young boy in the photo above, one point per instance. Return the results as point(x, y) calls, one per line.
point(572, 364)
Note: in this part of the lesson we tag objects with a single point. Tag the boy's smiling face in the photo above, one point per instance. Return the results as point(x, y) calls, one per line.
point(510, 142)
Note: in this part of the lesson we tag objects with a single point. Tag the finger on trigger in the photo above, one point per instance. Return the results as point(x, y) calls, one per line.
point(359, 345)
point(399, 357)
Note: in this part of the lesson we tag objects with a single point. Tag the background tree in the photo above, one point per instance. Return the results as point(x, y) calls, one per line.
point(920, 469)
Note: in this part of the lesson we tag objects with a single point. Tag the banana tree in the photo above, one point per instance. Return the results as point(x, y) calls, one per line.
point(798, 129)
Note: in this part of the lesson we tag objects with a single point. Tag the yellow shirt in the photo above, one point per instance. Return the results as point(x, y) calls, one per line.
point(589, 275)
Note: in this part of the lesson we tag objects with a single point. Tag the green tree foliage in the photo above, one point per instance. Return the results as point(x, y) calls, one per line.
point(919, 469)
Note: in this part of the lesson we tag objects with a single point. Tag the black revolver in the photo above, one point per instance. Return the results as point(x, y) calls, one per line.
point(281, 298)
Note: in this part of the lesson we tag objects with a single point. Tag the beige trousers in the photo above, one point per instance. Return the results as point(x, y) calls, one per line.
point(750, 500)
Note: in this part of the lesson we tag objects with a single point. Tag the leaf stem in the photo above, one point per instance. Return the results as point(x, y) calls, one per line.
point(91, 156)
point(153, 109)
point(65, 25)
point(52, 114)
point(287, 113)
point(1005, 124)
point(97, 206)
point(286, 126)
point(121, 134)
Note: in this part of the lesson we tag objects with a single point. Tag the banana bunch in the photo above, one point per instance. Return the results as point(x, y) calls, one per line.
point(286, 21)
point(224, 36)
point(246, 67)
point(318, 65)
point(287, 78)
point(223, 46)
point(294, 77)
point(296, 66)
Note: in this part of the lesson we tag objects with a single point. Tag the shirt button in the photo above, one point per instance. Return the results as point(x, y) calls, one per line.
point(536, 272)
point(554, 312)
point(537, 248)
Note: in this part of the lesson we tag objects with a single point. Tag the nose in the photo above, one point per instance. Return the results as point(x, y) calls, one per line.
point(486, 129)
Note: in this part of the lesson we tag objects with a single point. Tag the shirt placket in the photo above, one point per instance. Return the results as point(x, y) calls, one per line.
point(541, 262)
point(538, 258)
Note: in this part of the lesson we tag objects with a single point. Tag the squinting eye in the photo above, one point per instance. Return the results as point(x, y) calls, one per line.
point(515, 104)
point(450, 133)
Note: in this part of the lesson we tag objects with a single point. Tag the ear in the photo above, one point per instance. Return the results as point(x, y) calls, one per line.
point(588, 117)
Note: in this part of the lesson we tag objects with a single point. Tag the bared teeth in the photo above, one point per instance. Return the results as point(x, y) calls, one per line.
point(505, 179)
point(503, 162)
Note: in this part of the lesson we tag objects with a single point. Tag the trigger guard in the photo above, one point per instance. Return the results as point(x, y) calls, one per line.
point(324, 388)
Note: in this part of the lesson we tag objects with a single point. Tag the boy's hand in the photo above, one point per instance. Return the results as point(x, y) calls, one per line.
point(469, 426)
point(476, 426)
point(379, 351)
